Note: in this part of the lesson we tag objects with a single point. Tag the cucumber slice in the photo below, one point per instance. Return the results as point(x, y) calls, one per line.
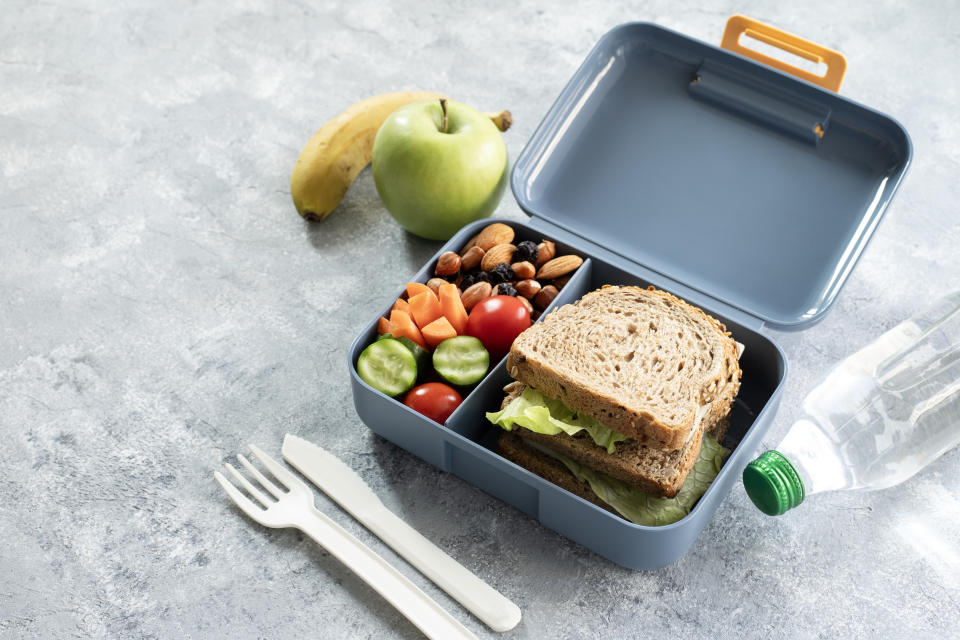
point(421, 355)
point(388, 366)
point(461, 361)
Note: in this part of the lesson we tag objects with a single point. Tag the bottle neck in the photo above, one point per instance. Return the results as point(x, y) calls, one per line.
point(814, 457)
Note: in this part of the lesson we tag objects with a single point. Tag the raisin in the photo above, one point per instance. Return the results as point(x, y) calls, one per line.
point(501, 273)
point(504, 289)
point(526, 252)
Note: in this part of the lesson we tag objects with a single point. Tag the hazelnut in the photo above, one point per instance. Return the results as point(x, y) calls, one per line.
point(471, 258)
point(528, 288)
point(523, 270)
point(435, 284)
point(543, 299)
point(525, 303)
point(546, 251)
point(447, 264)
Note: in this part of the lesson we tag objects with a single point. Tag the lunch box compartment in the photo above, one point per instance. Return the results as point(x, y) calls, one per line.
point(455, 244)
point(672, 163)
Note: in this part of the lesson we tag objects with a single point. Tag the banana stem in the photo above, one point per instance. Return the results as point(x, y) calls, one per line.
point(502, 120)
point(443, 106)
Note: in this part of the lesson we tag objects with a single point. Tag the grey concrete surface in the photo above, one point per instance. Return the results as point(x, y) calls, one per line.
point(162, 305)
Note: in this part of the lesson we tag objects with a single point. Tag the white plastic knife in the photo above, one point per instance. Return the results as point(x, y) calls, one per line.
point(348, 489)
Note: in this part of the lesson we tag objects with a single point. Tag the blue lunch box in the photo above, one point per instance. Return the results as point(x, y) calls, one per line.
point(744, 189)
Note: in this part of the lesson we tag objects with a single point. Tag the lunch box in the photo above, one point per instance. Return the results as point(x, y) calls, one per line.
point(725, 176)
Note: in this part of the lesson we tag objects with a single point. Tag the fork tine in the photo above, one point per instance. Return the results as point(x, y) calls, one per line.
point(262, 479)
point(285, 477)
point(246, 504)
point(246, 484)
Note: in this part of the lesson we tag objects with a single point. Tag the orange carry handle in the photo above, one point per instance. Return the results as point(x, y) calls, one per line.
point(739, 25)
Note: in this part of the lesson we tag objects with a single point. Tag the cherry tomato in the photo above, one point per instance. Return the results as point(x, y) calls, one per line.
point(434, 400)
point(497, 321)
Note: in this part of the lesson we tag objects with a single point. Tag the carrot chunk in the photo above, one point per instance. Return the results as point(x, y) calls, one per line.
point(452, 307)
point(438, 331)
point(401, 325)
point(425, 308)
point(413, 288)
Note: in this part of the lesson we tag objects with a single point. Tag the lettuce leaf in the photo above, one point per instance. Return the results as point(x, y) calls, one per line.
point(639, 507)
point(541, 414)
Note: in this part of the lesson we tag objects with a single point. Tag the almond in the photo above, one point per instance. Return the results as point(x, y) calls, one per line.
point(523, 270)
point(559, 267)
point(545, 252)
point(562, 281)
point(545, 297)
point(471, 243)
point(474, 294)
point(497, 254)
point(471, 258)
point(447, 264)
point(528, 288)
point(435, 284)
point(494, 234)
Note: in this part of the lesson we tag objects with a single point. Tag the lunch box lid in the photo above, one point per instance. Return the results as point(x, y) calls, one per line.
point(748, 183)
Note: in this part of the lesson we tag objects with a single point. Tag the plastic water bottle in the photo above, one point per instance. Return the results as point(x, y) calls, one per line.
point(876, 419)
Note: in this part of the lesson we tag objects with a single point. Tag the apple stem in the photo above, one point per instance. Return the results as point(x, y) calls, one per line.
point(443, 106)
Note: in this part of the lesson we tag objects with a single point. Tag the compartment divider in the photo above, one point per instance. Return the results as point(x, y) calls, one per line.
point(468, 419)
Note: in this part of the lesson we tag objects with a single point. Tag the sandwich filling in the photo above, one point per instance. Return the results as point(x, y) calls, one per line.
point(645, 486)
point(639, 507)
point(534, 411)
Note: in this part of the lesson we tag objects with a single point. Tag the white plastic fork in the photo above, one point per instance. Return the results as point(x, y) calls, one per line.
point(295, 508)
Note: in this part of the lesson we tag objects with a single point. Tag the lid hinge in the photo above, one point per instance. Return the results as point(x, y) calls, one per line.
point(748, 98)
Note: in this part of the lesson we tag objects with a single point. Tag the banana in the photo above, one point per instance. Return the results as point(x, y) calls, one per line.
point(343, 146)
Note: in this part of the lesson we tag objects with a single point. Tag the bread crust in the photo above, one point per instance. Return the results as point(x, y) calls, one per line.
point(614, 408)
point(659, 474)
point(511, 447)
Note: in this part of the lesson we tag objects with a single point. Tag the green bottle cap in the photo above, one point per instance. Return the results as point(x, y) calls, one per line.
point(773, 484)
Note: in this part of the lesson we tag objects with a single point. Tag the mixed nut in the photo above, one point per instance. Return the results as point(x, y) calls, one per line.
point(490, 264)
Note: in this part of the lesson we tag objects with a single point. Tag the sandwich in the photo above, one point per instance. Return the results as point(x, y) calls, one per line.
point(622, 398)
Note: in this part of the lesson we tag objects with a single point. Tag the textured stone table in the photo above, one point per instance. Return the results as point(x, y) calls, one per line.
point(162, 305)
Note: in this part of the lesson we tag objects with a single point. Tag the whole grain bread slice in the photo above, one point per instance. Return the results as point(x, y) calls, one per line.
point(719, 431)
point(511, 447)
point(641, 361)
point(654, 471)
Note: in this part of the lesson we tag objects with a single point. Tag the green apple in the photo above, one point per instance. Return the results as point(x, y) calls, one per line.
point(439, 166)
